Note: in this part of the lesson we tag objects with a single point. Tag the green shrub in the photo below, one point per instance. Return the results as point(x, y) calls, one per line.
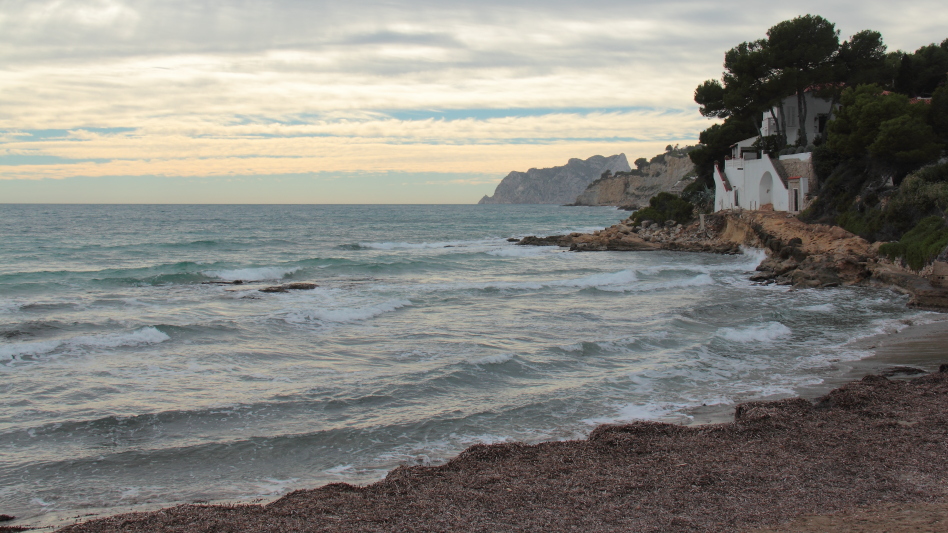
point(921, 245)
point(700, 195)
point(665, 206)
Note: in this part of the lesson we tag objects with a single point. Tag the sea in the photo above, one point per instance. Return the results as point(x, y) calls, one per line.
point(132, 376)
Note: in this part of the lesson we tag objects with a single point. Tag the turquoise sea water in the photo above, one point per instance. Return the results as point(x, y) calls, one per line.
point(126, 380)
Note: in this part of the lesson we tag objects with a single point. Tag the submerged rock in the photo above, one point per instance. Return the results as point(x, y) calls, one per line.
point(274, 288)
point(294, 286)
point(300, 286)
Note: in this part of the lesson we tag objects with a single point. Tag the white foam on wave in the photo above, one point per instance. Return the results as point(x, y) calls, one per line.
point(498, 359)
point(139, 337)
point(251, 274)
point(345, 314)
point(521, 251)
point(9, 306)
point(749, 259)
point(824, 308)
point(418, 245)
point(770, 331)
point(274, 486)
point(621, 281)
point(700, 280)
point(631, 412)
point(754, 257)
point(621, 278)
point(612, 280)
point(339, 470)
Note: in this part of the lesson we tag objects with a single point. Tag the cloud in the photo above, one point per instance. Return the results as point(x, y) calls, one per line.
point(177, 87)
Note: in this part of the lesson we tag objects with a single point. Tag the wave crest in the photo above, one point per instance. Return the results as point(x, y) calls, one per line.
point(139, 337)
point(770, 331)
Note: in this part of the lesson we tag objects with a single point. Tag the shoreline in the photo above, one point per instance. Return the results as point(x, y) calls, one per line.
point(799, 254)
point(918, 345)
point(873, 443)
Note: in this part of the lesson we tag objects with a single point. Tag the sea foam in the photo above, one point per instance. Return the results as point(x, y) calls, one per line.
point(770, 331)
point(345, 314)
point(139, 337)
point(498, 359)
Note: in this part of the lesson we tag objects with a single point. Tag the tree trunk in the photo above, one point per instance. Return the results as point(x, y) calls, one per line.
point(801, 112)
point(783, 123)
point(829, 117)
point(777, 123)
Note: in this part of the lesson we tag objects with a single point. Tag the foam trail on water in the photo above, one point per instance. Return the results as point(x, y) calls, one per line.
point(345, 314)
point(252, 274)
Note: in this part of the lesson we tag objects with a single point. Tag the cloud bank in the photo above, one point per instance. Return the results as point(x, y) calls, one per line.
point(132, 88)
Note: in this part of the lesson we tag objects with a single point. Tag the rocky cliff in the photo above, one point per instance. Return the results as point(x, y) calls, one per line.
point(557, 185)
point(633, 189)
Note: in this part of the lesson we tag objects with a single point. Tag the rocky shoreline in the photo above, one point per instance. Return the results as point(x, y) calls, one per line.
point(798, 254)
point(876, 444)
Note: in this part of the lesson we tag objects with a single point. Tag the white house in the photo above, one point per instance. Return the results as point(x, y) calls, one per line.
point(754, 179)
point(817, 115)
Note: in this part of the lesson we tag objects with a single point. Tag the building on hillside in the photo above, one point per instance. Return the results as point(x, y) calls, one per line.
point(754, 179)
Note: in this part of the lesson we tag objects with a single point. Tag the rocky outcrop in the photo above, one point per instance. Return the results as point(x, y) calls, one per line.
point(557, 185)
point(633, 189)
point(798, 254)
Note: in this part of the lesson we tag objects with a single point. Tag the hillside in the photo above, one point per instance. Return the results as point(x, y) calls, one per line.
point(633, 189)
point(556, 185)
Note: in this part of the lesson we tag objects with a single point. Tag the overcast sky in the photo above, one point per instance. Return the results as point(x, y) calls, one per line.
point(362, 102)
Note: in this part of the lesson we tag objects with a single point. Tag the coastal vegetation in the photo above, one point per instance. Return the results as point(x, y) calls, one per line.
point(665, 206)
point(879, 160)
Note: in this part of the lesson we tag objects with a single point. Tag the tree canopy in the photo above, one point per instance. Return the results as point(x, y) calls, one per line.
point(800, 54)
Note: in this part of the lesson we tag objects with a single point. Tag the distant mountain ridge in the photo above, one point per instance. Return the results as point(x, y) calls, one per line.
point(556, 185)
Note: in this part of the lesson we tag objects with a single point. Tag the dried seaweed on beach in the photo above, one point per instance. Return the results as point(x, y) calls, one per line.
point(873, 442)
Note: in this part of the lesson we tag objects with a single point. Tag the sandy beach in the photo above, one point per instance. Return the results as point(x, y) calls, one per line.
point(867, 456)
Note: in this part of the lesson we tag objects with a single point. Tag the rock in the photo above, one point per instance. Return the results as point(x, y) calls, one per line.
point(274, 288)
point(670, 223)
point(552, 240)
point(646, 223)
point(902, 371)
point(513, 239)
point(556, 185)
point(634, 188)
point(300, 286)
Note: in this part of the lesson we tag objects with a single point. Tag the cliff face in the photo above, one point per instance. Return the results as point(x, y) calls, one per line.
point(557, 185)
point(634, 190)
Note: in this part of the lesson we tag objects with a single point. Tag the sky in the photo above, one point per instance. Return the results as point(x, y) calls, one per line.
point(419, 101)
